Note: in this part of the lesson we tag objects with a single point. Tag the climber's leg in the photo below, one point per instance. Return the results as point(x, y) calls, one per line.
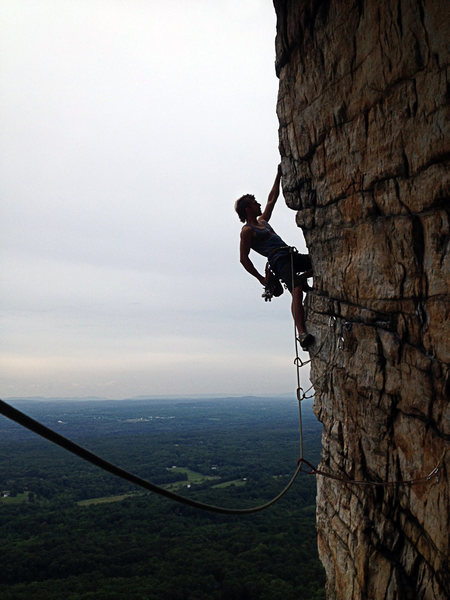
point(298, 312)
point(288, 272)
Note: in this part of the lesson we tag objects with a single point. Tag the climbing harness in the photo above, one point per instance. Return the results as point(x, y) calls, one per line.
point(273, 287)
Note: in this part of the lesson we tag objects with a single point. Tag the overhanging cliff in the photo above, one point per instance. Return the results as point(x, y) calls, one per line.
point(364, 143)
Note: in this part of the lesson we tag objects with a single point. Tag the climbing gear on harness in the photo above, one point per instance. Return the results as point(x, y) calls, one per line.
point(273, 286)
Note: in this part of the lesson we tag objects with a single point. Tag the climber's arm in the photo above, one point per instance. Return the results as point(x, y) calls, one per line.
point(273, 196)
point(245, 247)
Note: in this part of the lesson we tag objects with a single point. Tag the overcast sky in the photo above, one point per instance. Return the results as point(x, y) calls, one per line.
point(128, 129)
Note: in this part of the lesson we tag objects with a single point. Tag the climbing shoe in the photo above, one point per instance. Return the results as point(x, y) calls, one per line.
point(306, 340)
point(303, 280)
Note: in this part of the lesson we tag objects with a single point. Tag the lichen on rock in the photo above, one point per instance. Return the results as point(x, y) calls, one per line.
point(364, 143)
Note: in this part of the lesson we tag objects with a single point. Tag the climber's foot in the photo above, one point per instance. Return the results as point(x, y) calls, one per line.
point(306, 340)
point(304, 283)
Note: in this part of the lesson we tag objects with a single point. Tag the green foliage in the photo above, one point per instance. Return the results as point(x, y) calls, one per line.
point(145, 546)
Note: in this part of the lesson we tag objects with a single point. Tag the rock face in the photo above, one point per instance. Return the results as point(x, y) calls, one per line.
point(364, 143)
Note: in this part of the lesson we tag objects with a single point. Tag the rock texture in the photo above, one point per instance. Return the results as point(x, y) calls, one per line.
point(364, 143)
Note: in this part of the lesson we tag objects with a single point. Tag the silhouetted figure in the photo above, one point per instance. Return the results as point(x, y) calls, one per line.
point(286, 264)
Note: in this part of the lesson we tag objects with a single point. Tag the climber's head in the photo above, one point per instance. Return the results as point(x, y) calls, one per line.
point(246, 202)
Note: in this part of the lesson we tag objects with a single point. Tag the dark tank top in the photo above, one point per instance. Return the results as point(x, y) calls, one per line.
point(267, 243)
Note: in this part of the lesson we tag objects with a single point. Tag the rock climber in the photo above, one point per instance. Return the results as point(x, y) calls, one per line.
point(258, 235)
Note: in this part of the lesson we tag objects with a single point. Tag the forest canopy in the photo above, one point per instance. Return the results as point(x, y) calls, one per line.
point(70, 530)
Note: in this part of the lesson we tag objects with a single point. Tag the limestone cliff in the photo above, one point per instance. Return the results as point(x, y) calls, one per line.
point(364, 143)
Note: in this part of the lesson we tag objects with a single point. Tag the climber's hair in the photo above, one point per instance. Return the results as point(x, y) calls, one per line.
point(241, 205)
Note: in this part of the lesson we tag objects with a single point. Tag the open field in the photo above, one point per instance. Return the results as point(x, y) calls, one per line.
point(18, 499)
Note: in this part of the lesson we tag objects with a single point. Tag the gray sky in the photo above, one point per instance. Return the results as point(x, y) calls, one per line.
point(128, 129)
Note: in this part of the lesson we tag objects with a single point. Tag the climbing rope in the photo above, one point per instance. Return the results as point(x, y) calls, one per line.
point(434, 473)
point(43, 431)
point(298, 364)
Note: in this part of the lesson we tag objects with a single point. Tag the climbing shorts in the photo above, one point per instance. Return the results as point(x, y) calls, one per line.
point(283, 269)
